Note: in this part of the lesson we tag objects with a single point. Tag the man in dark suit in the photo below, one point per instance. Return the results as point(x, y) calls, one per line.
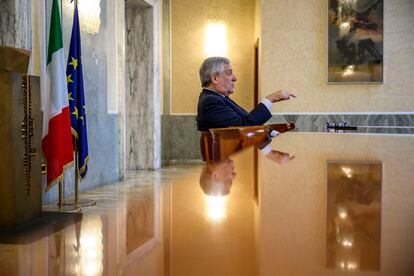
point(216, 109)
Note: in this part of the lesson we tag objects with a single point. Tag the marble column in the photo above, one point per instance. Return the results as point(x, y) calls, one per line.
point(120, 41)
point(15, 23)
point(166, 68)
point(141, 105)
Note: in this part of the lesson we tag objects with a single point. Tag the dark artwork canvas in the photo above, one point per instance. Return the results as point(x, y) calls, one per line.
point(355, 42)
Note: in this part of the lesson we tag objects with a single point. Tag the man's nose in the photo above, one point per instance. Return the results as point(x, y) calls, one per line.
point(234, 78)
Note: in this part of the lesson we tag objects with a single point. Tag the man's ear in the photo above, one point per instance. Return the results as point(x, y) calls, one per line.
point(214, 78)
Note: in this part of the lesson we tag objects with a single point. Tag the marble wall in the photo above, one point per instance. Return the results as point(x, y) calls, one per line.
point(180, 139)
point(182, 142)
point(139, 71)
point(15, 23)
point(317, 122)
point(165, 144)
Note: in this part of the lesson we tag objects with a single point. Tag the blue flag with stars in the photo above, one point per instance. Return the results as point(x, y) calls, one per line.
point(74, 78)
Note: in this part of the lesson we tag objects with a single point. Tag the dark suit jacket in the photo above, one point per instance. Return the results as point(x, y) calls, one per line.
point(215, 111)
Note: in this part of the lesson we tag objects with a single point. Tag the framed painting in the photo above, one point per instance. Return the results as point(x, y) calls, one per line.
point(355, 41)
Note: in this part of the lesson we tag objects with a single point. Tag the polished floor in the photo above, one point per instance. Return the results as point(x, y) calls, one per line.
point(312, 204)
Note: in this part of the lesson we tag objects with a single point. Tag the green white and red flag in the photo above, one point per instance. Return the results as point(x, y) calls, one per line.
point(56, 134)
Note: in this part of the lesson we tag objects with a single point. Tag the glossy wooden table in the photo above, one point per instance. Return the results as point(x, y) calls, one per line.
point(342, 206)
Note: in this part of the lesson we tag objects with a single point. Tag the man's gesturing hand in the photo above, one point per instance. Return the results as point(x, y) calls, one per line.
point(280, 95)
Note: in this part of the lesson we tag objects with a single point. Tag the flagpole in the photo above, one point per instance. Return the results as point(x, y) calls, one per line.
point(78, 202)
point(60, 204)
point(76, 166)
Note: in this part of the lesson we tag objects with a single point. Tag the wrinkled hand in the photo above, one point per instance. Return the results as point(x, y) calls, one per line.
point(280, 95)
point(279, 157)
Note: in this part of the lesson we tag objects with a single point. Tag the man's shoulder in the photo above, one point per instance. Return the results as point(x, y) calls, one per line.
point(208, 95)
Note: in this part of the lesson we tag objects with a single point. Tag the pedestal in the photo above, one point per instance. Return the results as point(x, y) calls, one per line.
point(20, 149)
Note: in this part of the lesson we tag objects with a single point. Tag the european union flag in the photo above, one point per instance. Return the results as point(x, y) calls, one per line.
point(74, 78)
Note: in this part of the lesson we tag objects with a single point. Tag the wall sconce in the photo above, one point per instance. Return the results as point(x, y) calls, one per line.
point(89, 14)
point(215, 43)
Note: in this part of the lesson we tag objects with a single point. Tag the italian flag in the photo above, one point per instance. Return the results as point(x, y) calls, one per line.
point(56, 134)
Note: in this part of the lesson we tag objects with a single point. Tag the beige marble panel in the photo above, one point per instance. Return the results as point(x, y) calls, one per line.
point(188, 21)
point(294, 56)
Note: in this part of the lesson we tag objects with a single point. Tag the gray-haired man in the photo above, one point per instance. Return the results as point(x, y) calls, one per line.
point(216, 109)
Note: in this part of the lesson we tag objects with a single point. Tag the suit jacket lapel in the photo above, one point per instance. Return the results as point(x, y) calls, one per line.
point(235, 107)
point(229, 102)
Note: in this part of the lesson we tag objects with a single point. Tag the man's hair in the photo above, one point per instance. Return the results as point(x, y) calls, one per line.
point(214, 183)
point(209, 184)
point(211, 65)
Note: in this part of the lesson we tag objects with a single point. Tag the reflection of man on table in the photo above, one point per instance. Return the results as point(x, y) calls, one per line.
point(216, 178)
point(217, 110)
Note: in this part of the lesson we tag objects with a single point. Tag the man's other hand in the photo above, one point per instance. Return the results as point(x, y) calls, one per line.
point(280, 95)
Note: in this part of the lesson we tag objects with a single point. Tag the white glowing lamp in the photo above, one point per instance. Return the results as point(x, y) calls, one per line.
point(215, 43)
point(89, 15)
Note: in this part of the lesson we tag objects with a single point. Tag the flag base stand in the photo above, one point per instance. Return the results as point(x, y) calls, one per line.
point(68, 209)
point(83, 202)
point(62, 209)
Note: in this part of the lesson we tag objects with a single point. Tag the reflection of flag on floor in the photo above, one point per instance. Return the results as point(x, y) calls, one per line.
point(56, 138)
point(74, 78)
